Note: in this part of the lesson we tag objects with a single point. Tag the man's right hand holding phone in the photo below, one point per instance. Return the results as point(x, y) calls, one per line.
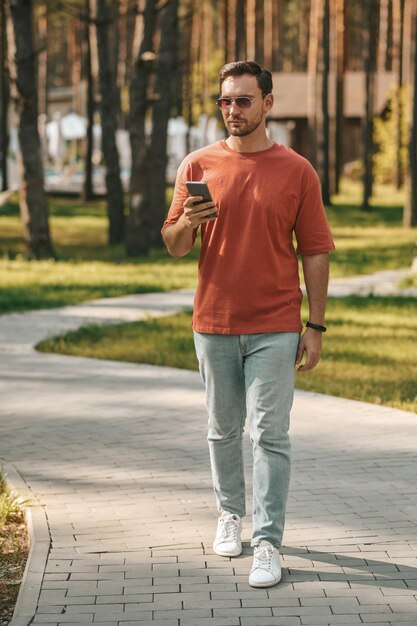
point(197, 212)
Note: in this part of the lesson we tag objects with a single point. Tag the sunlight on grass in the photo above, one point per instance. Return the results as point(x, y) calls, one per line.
point(370, 352)
point(27, 285)
point(88, 268)
point(162, 341)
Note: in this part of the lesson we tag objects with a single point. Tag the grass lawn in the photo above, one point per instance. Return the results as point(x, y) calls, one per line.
point(370, 351)
point(13, 551)
point(87, 268)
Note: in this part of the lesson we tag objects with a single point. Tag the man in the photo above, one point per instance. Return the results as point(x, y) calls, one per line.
point(246, 318)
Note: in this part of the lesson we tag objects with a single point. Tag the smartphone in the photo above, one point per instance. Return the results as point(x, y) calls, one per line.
point(200, 188)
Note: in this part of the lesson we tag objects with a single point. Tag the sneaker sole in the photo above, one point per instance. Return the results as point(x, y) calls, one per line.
point(264, 585)
point(231, 554)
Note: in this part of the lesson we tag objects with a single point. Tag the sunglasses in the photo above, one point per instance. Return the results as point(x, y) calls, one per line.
point(243, 102)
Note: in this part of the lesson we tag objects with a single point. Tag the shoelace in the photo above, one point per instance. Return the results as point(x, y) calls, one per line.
point(263, 557)
point(230, 529)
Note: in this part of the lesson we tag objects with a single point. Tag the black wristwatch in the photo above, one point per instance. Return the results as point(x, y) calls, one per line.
point(321, 329)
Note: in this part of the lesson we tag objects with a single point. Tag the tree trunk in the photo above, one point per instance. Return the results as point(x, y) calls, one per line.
point(224, 20)
point(312, 79)
point(5, 96)
point(163, 100)
point(268, 33)
point(231, 30)
point(410, 209)
point(33, 200)
point(123, 44)
point(138, 232)
point(88, 190)
point(41, 39)
point(340, 77)
point(383, 35)
point(251, 30)
point(75, 63)
point(240, 52)
point(278, 30)
point(370, 48)
point(189, 73)
point(205, 51)
point(325, 143)
point(398, 30)
point(109, 111)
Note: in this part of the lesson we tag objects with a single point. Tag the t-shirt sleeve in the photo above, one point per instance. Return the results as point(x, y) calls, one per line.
point(311, 227)
point(179, 196)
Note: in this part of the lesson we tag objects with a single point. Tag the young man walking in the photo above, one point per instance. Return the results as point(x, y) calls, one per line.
point(246, 320)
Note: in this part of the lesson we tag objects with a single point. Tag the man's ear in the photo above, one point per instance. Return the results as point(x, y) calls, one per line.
point(268, 101)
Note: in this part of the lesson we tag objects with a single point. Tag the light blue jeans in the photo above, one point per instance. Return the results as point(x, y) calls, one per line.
point(250, 376)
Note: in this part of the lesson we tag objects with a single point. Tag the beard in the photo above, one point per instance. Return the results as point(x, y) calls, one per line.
point(243, 129)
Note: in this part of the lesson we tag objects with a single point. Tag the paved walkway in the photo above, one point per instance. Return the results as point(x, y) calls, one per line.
point(116, 455)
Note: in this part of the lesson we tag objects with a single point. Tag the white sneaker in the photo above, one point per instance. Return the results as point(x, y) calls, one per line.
point(227, 541)
point(266, 568)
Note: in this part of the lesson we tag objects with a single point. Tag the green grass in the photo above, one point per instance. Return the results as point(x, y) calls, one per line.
point(10, 505)
point(369, 241)
point(161, 341)
point(88, 268)
point(410, 281)
point(370, 352)
point(13, 550)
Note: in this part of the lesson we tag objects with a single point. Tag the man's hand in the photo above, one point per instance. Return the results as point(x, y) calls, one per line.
point(310, 343)
point(178, 237)
point(196, 214)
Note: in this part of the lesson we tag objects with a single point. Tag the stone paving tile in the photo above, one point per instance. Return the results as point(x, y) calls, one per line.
point(117, 455)
point(270, 621)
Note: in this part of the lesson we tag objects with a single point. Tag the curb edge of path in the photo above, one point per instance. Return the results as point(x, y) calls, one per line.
point(39, 542)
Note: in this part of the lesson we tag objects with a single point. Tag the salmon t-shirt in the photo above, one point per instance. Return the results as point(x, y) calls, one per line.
point(248, 279)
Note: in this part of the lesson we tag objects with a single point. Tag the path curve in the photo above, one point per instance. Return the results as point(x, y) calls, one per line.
point(115, 453)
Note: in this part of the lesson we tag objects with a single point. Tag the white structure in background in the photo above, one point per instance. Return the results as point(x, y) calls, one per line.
point(176, 145)
point(64, 173)
point(73, 126)
point(55, 139)
point(281, 133)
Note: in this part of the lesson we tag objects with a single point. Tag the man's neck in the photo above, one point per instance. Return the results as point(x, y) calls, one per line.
point(249, 143)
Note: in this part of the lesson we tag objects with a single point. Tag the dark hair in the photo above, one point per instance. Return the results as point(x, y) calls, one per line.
point(238, 68)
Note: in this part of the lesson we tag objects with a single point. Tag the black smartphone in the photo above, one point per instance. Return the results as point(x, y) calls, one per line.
point(200, 188)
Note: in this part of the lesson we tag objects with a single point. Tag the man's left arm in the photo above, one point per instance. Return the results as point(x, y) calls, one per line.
point(316, 277)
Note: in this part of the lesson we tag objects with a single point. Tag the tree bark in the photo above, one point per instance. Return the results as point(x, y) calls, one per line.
point(138, 232)
point(410, 209)
point(163, 99)
point(268, 33)
point(189, 72)
point(88, 190)
point(5, 96)
point(312, 79)
point(325, 143)
point(224, 20)
point(205, 51)
point(33, 200)
point(240, 52)
point(370, 49)
point(398, 31)
point(42, 38)
point(340, 89)
point(109, 108)
point(231, 30)
point(251, 29)
point(383, 35)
